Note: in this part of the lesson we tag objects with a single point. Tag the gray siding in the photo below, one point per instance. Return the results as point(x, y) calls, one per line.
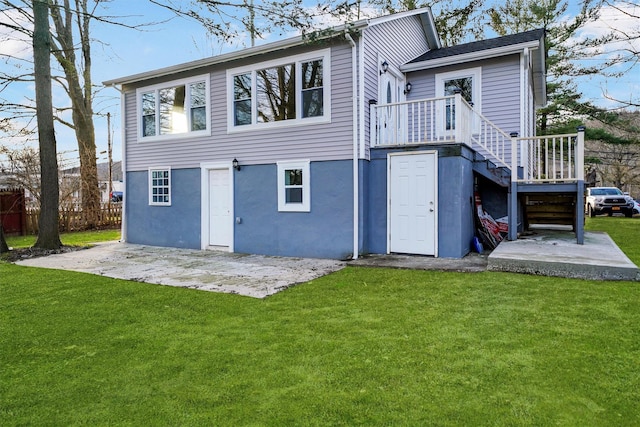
point(500, 88)
point(398, 42)
point(317, 142)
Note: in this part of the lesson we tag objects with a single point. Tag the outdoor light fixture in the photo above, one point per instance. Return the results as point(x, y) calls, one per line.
point(407, 88)
point(385, 67)
point(235, 164)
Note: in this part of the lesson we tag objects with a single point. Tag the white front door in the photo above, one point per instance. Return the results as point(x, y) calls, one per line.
point(391, 119)
point(220, 224)
point(413, 203)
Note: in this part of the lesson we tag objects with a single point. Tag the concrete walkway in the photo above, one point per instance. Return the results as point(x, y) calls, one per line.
point(548, 253)
point(556, 253)
point(250, 275)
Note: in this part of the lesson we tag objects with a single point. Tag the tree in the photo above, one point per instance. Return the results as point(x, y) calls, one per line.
point(68, 23)
point(48, 235)
point(3, 243)
point(22, 169)
point(80, 91)
point(513, 16)
point(622, 43)
point(455, 21)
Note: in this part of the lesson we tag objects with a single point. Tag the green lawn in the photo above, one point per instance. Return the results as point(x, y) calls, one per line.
point(358, 347)
point(70, 239)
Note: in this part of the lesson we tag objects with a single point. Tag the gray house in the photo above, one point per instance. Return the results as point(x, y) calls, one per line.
point(374, 139)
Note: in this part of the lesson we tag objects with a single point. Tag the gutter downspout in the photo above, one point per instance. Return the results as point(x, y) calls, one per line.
point(123, 164)
point(356, 171)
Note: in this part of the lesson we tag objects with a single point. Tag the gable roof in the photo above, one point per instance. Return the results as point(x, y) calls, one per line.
point(510, 41)
point(532, 40)
point(425, 15)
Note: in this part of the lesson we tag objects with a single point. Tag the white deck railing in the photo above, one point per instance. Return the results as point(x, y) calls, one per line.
point(447, 119)
point(450, 119)
point(552, 158)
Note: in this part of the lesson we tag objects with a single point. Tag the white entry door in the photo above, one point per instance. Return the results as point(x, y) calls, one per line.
point(413, 203)
point(220, 224)
point(391, 119)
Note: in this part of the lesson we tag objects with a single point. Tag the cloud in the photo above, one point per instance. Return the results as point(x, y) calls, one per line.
point(13, 43)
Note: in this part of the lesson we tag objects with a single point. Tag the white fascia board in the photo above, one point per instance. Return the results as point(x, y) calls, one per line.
point(468, 57)
point(231, 56)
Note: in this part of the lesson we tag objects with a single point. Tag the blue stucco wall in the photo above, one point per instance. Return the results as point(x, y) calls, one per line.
point(175, 226)
point(455, 201)
point(324, 232)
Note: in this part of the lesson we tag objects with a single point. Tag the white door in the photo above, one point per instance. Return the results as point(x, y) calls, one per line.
point(220, 224)
point(391, 119)
point(412, 203)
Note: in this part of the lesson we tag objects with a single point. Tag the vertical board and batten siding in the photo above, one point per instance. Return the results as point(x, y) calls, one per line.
point(398, 42)
point(316, 142)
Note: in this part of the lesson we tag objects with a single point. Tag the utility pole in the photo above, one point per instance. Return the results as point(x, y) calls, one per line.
point(110, 158)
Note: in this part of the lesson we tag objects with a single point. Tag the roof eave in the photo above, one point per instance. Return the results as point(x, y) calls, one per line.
point(469, 57)
point(240, 54)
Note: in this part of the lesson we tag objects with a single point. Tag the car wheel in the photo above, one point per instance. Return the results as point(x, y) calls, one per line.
point(590, 211)
point(629, 214)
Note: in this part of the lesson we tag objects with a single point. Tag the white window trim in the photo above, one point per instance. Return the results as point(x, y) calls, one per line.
point(155, 88)
point(150, 180)
point(305, 206)
point(476, 76)
point(324, 54)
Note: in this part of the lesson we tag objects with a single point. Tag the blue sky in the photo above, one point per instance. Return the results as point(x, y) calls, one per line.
point(124, 51)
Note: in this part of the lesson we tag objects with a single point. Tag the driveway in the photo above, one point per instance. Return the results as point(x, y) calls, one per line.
point(250, 275)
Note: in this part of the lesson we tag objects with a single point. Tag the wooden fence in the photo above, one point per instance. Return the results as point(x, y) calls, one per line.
point(71, 219)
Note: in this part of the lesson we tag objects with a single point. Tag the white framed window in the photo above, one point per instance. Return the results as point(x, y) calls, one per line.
point(469, 82)
point(294, 186)
point(174, 109)
point(282, 92)
point(160, 186)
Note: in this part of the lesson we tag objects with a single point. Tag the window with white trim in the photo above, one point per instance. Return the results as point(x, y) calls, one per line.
point(469, 82)
point(174, 109)
point(160, 186)
point(286, 91)
point(294, 188)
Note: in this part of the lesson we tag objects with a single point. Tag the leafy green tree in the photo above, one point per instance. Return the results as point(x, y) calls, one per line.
point(513, 16)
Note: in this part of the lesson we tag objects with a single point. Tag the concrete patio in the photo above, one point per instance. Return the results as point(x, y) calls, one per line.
point(546, 252)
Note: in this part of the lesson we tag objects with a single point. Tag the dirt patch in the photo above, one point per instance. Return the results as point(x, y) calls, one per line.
point(27, 253)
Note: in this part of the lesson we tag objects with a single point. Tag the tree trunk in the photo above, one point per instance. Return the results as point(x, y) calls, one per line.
point(3, 243)
point(48, 234)
point(79, 88)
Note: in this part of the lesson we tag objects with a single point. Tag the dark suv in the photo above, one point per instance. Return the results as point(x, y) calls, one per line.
point(608, 200)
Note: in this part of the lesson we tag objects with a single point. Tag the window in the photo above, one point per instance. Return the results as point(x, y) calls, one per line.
point(288, 91)
point(176, 108)
point(160, 186)
point(294, 186)
point(469, 83)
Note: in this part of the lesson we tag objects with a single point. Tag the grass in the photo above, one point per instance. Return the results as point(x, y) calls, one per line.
point(358, 347)
point(70, 239)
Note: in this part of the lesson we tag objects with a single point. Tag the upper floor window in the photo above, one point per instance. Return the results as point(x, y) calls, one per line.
point(174, 108)
point(286, 91)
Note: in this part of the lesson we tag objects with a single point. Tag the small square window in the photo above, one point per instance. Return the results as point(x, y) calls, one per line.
point(294, 186)
point(160, 186)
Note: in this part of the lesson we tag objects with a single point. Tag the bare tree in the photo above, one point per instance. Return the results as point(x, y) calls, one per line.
point(22, 170)
point(80, 91)
point(71, 47)
point(48, 235)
